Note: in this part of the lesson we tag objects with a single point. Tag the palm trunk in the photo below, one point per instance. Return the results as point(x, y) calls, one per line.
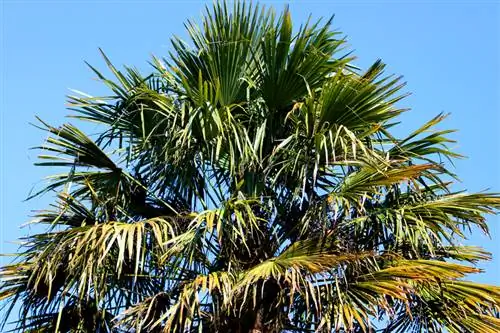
point(251, 322)
point(258, 325)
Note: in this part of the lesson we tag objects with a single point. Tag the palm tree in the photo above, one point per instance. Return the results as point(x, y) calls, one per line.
point(251, 183)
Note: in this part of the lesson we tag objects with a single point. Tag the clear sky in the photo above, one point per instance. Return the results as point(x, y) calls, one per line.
point(448, 51)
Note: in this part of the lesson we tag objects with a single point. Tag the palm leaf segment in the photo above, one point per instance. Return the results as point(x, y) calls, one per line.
point(253, 186)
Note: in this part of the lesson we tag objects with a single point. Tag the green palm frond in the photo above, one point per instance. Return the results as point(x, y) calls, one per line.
point(215, 69)
point(76, 150)
point(358, 102)
point(293, 65)
point(453, 305)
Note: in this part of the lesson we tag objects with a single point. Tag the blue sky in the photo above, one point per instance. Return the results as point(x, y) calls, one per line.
point(448, 52)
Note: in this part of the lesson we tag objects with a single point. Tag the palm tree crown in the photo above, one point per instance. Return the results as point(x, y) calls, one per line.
point(251, 183)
